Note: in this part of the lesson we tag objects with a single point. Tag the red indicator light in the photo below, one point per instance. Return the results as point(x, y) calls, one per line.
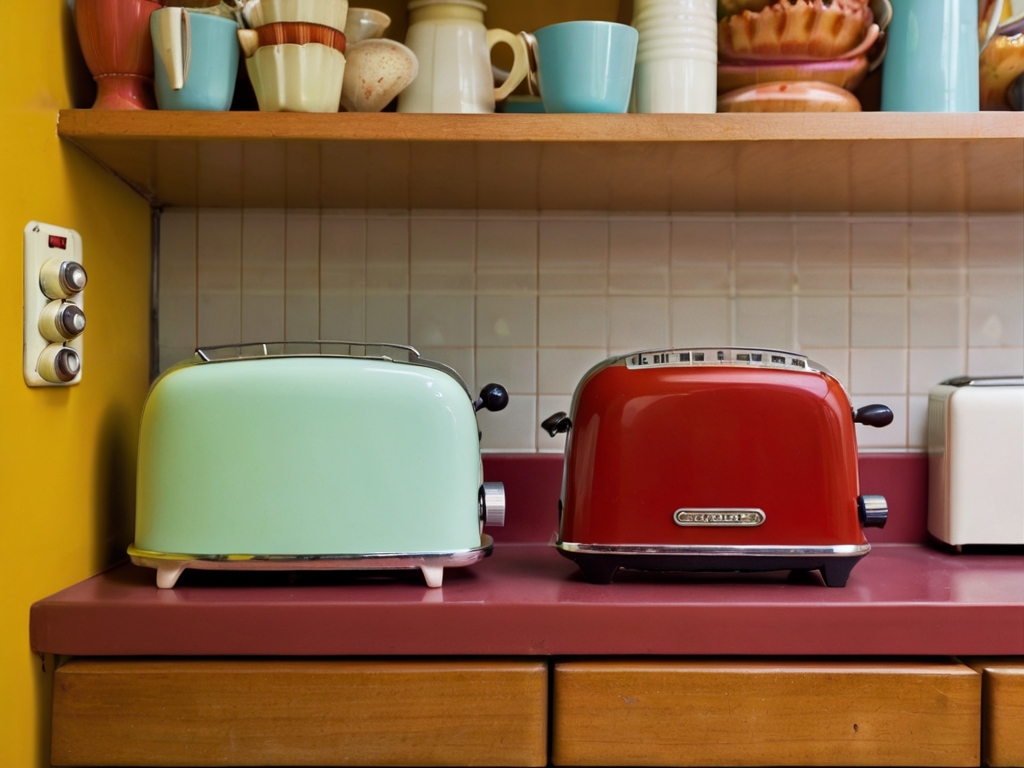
point(58, 242)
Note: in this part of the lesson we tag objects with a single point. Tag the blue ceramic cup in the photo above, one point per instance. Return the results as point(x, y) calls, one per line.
point(209, 45)
point(586, 66)
point(931, 64)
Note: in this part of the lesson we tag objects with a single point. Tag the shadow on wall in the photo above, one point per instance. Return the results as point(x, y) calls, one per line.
point(81, 86)
point(43, 674)
point(115, 488)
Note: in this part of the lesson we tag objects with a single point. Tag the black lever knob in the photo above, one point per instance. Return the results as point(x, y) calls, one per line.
point(493, 397)
point(556, 423)
point(873, 415)
point(873, 511)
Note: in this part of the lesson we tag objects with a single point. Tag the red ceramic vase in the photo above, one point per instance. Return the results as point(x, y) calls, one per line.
point(117, 45)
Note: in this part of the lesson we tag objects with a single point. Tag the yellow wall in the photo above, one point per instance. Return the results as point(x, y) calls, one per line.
point(66, 455)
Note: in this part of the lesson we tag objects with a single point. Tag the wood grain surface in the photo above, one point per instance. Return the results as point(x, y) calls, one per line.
point(300, 712)
point(764, 713)
point(1002, 710)
point(867, 162)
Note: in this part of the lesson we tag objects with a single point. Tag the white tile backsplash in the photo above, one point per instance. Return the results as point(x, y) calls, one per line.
point(219, 277)
point(930, 366)
point(506, 321)
point(997, 321)
point(702, 321)
point(764, 322)
point(890, 304)
point(574, 255)
point(442, 253)
point(515, 369)
point(878, 370)
point(701, 255)
point(506, 255)
point(302, 276)
point(177, 286)
point(263, 250)
point(823, 321)
point(639, 256)
point(936, 321)
point(638, 322)
point(441, 321)
point(560, 370)
point(878, 321)
point(573, 321)
point(822, 249)
point(764, 255)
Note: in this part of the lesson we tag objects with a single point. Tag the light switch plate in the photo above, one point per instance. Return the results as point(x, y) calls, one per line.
point(42, 243)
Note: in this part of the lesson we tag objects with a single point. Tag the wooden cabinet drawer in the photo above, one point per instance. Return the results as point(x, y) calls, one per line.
point(762, 713)
point(297, 712)
point(1002, 711)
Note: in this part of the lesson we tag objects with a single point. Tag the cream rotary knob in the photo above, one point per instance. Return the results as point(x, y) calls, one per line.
point(61, 321)
point(60, 279)
point(59, 365)
point(492, 504)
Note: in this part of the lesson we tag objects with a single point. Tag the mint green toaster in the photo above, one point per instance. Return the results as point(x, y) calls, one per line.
point(326, 455)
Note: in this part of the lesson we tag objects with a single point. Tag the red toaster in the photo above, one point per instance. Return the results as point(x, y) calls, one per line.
point(714, 459)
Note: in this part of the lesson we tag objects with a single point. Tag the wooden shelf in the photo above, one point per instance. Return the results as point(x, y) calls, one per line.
point(886, 162)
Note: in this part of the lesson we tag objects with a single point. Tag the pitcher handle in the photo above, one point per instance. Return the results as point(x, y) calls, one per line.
point(520, 63)
point(173, 44)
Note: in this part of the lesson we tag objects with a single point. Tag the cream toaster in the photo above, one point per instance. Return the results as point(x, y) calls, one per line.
point(976, 461)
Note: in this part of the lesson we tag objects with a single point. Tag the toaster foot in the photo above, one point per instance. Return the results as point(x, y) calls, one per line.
point(167, 574)
point(836, 572)
point(597, 570)
point(433, 575)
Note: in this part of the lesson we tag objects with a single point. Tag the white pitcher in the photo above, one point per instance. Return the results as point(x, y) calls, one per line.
point(454, 51)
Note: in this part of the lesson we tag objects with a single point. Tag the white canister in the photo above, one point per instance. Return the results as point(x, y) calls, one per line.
point(677, 58)
point(454, 51)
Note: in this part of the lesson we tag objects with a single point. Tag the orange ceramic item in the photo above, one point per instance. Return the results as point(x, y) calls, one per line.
point(789, 97)
point(1002, 62)
point(118, 48)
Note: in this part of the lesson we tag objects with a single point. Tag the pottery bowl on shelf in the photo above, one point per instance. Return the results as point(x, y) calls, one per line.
point(365, 24)
point(375, 73)
point(789, 97)
point(330, 13)
point(844, 73)
point(297, 78)
point(300, 33)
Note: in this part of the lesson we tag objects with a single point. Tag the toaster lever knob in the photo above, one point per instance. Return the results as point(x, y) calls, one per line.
point(493, 397)
point(556, 423)
point(873, 511)
point(873, 415)
point(492, 504)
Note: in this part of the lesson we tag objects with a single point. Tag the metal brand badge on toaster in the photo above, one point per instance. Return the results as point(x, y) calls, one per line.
point(716, 517)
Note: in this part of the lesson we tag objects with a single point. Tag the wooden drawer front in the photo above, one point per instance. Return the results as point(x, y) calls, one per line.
point(1002, 711)
point(663, 713)
point(389, 713)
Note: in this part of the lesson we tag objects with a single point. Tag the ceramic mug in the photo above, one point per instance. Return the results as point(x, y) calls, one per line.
point(196, 60)
point(932, 60)
point(585, 66)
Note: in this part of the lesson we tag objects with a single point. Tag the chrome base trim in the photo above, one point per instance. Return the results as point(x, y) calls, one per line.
point(378, 561)
point(711, 550)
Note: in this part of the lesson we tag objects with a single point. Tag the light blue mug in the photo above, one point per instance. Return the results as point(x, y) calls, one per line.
point(585, 66)
point(196, 59)
point(931, 64)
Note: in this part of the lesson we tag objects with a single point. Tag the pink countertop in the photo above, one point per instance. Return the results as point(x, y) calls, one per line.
point(902, 599)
